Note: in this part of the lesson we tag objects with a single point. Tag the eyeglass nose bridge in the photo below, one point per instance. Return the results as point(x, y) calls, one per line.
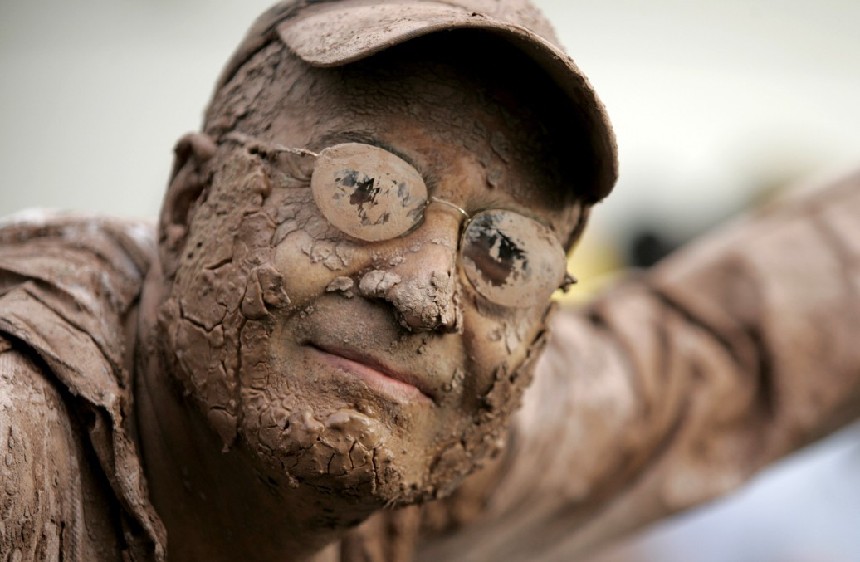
point(434, 199)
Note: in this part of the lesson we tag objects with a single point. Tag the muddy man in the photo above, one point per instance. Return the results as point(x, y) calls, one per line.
point(323, 350)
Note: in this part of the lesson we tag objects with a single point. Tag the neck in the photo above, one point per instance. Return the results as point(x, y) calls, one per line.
point(216, 504)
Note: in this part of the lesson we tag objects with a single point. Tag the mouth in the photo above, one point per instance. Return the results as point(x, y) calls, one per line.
point(403, 388)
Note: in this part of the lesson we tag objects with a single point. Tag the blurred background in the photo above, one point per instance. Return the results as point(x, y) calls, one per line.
point(717, 105)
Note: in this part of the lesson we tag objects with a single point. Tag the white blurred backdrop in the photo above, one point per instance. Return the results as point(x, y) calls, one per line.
point(714, 103)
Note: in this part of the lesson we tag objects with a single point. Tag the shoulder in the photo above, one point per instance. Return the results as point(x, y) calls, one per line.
point(44, 481)
point(32, 412)
point(37, 472)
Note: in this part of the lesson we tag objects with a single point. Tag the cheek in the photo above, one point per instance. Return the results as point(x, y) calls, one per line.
point(498, 341)
point(503, 349)
point(308, 251)
point(201, 360)
point(225, 280)
point(311, 266)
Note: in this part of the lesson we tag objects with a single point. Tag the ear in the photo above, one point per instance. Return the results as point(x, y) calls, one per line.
point(188, 178)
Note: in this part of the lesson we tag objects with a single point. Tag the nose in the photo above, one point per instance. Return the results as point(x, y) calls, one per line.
point(421, 281)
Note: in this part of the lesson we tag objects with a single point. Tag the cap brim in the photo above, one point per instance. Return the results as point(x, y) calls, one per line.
point(337, 33)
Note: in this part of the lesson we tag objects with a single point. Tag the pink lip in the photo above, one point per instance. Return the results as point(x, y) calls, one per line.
point(377, 376)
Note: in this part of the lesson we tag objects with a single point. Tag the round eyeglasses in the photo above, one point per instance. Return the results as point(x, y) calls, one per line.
point(373, 195)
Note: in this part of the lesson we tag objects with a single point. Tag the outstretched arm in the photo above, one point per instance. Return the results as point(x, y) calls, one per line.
point(677, 386)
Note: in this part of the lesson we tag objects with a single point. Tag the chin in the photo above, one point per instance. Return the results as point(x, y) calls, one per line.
point(341, 453)
point(347, 459)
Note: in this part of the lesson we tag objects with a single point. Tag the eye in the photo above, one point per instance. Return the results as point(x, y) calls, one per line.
point(511, 259)
point(367, 192)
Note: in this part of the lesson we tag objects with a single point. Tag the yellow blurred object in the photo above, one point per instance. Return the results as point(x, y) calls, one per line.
point(595, 262)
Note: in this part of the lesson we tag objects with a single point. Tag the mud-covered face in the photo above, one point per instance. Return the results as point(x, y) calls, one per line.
point(381, 365)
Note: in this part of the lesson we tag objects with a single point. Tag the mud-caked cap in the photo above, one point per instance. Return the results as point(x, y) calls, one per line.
point(330, 33)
